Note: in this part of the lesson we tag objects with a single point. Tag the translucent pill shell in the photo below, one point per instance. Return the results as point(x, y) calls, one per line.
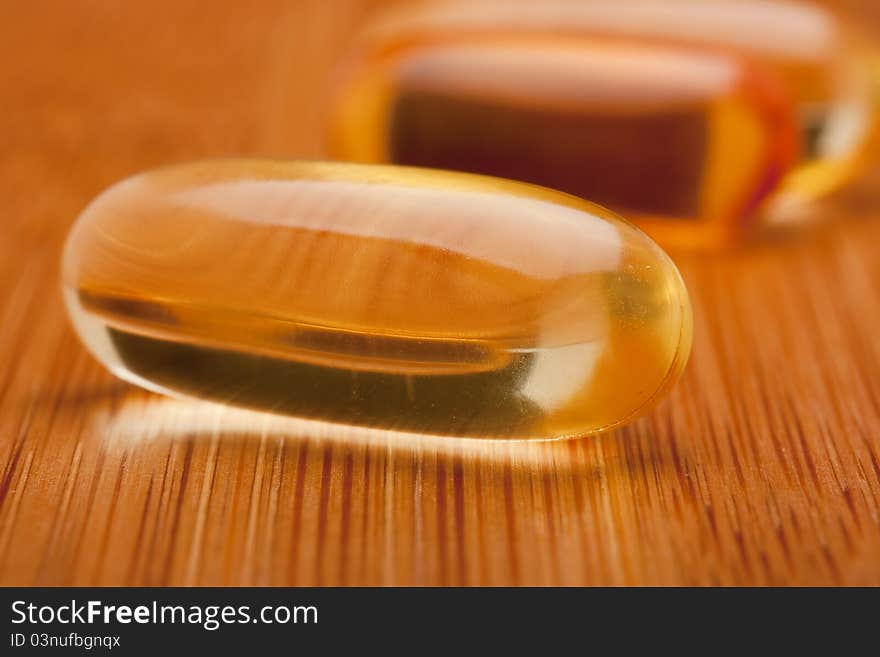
point(694, 117)
point(385, 297)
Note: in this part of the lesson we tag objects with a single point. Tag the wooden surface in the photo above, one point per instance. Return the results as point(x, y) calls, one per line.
point(762, 468)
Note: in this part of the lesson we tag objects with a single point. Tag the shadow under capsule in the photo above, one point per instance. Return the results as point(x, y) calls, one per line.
point(146, 419)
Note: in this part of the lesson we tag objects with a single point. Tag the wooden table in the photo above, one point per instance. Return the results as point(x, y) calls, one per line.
point(762, 468)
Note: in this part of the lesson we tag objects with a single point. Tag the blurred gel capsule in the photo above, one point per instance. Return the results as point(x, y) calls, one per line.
point(385, 297)
point(692, 116)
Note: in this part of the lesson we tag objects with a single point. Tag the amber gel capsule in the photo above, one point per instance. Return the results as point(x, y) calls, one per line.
point(387, 297)
point(691, 116)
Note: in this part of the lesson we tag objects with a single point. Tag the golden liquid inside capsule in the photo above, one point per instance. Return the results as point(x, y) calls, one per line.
point(686, 115)
point(386, 297)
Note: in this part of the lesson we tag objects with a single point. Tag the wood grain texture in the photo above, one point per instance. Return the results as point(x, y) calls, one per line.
point(762, 468)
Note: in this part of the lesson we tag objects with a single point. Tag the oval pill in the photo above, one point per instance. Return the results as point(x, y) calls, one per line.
point(388, 297)
point(687, 116)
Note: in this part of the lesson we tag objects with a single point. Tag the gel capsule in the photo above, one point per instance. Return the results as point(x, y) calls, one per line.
point(386, 297)
point(686, 114)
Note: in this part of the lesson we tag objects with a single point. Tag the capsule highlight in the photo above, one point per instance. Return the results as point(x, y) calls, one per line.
point(388, 297)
